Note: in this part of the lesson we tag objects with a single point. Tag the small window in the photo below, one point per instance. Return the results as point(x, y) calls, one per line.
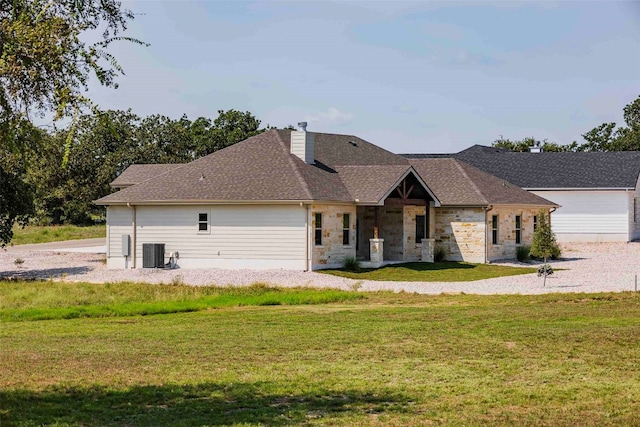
point(203, 222)
point(345, 229)
point(318, 229)
point(518, 229)
point(635, 210)
point(494, 229)
point(421, 228)
point(535, 222)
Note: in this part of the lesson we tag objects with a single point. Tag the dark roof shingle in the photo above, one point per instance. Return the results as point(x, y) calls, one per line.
point(456, 183)
point(138, 173)
point(550, 170)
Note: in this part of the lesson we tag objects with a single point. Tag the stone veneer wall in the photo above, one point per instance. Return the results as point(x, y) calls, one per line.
point(461, 232)
point(332, 252)
point(506, 247)
point(412, 250)
point(391, 231)
point(390, 220)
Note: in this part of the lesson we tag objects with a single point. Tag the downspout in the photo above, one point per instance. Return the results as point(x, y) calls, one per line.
point(133, 234)
point(308, 251)
point(552, 210)
point(486, 233)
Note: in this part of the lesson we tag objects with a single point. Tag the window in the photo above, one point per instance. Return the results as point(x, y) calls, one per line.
point(318, 229)
point(203, 222)
point(421, 228)
point(518, 229)
point(535, 222)
point(635, 210)
point(494, 229)
point(345, 229)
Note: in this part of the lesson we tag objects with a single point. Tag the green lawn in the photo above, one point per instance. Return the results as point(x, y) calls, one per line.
point(432, 272)
point(48, 300)
point(55, 233)
point(385, 359)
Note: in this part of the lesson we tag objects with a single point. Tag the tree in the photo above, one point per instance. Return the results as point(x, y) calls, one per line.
point(44, 69)
point(103, 145)
point(605, 137)
point(544, 243)
point(523, 145)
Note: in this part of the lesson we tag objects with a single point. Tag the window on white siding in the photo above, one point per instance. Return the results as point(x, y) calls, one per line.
point(635, 209)
point(345, 229)
point(494, 229)
point(518, 229)
point(203, 222)
point(318, 229)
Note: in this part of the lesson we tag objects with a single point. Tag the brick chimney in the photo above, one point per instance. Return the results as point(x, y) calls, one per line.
point(302, 143)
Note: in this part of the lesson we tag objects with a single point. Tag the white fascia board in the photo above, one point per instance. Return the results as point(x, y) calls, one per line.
point(218, 202)
point(580, 189)
point(409, 170)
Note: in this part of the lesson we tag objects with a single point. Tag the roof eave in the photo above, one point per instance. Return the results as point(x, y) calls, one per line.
point(578, 188)
point(223, 202)
point(409, 170)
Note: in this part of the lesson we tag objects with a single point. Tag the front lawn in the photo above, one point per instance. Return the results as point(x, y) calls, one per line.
point(56, 233)
point(446, 271)
point(46, 300)
point(385, 359)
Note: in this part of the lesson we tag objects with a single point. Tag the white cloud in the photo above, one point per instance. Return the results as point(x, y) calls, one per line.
point(331, 116)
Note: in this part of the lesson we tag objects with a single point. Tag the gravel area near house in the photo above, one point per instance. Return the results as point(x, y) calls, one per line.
point(587, 267)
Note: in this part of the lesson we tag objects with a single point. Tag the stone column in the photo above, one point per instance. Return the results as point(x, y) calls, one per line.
point(428, 246)
point(376, 247)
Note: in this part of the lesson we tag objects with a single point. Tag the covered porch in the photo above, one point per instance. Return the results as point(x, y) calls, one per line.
point(398, 229)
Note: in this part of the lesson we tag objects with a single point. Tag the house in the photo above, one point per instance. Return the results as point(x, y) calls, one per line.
point(597, 192)
point(301, 200)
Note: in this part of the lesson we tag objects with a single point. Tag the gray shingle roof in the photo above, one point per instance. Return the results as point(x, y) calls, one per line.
point(261, 168)
point(555, 170)
point(136, 174)
point(347, 168)
point(370, 183)
point(456, 183)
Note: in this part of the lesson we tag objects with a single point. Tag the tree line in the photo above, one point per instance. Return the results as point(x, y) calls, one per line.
point(606, 137)
point(66, 169)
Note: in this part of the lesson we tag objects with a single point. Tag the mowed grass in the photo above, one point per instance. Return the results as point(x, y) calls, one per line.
point(386, 359)
point(47, 300)
point(55, 233)
point(446, 271)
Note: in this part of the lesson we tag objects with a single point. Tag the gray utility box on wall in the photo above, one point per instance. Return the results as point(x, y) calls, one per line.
point(153, 255)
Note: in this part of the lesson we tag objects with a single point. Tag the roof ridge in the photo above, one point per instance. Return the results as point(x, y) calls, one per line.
point(301, 179)
point(473, 184)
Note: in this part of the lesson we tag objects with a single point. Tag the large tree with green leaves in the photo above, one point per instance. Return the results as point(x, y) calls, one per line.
point(604, 137)
point(45, 68)
point(106, 143)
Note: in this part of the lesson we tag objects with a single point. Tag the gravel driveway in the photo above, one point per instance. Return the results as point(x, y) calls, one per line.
point(587, 267)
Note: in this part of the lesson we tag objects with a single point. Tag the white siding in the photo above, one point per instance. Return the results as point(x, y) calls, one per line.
point(634, 213)
point(589, 215)
point(239, 236)
point(302, 145)
point(119, 223)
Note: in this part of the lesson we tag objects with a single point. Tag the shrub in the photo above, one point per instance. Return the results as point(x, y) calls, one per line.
point(439, 254)
point(544, 243)
point(522, 253)
point(351, 264)
point(545, 270)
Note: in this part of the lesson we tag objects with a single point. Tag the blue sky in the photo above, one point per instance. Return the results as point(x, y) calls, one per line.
point(408, 76)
